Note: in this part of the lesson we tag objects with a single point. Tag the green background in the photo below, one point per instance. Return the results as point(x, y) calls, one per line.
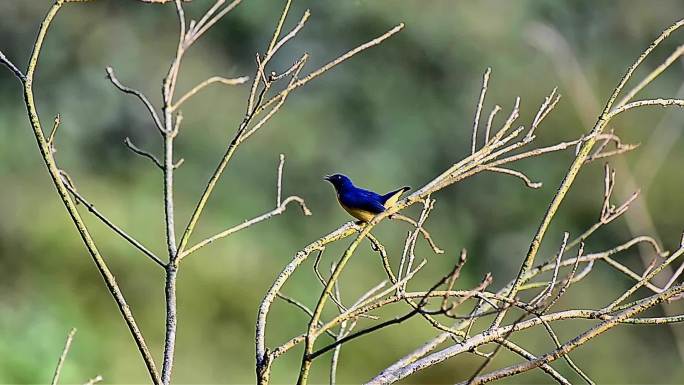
point(397, 114)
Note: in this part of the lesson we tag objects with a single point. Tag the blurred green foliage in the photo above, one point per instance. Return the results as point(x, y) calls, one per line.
point(397, 114)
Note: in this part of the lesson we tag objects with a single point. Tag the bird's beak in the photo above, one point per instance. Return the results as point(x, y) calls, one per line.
point(328, 177)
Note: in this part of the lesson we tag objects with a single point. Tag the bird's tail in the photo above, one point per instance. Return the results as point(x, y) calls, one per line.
point(392, 197)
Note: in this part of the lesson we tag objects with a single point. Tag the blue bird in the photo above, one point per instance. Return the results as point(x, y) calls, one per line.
point(362, 204)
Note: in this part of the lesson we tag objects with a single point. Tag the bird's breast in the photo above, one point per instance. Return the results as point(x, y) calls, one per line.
point(362, 215)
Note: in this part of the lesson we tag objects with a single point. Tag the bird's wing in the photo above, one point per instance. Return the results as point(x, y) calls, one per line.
point(363, 200)
point(391, 198)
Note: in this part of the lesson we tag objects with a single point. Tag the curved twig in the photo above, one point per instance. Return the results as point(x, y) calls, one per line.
point(138, 94)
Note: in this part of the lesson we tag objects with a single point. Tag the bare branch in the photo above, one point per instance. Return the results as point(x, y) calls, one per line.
point(678, 52)
point(645, 279)
point(54, 172)
point(415, 311)
point(51, 137)
point(127, 141)
point(412, 357)
point(278, 105)
point(642, 103)
point(239, 137)
point(410, 245)
point(546, 107)
point(261, 64)
point(518, 174)
point(577, 341)
point(583, 154)
point(274, 48)
point(567, 358)
point(79, 198)
point(426, 235)
point(201, 28)
point(279, 183)
point(525, 354)
point(214, 79)
point(208, 21)
point(62, 357)
point(492, 336)
point(303, 308)
point(334, 63)
point(546, 294)
point(139, 95)
point(490, 119)
point(462, 259)
point(97, 378)
point(16, 71)
point(620, 150)
point(280, 208)
point(478, 110)
point(348, 55)
point(176, 126)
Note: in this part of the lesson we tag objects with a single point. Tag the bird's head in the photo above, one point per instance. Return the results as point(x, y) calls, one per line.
point(338, 181)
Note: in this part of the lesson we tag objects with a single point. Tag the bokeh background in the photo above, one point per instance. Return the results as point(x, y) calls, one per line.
point(397, 114)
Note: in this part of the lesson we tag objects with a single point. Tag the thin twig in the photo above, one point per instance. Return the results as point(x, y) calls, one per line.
point(62, 357)
point(525, 354)
point(201, 27)
point(334, 63)
point(528, 182)
point(643, 280)
point(277, 211)
point(202, 85)
point(642, 103)
point(51, 137)
point(127, 141)
point(72, 189)
point(16, 71)
point(490, 119)
point(303, 308)
point(279, 183)
point(426, 235)
point(478, 110)
point(94, 380)
point(139, 95)
point(678, 52)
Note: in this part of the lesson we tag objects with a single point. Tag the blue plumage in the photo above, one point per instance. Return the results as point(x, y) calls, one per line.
point(360, 203)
